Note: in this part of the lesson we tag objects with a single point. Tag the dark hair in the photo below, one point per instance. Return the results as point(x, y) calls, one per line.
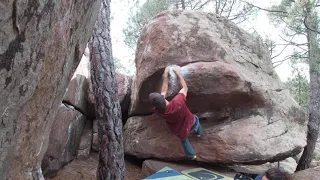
point(158, 101)
point(277, 174)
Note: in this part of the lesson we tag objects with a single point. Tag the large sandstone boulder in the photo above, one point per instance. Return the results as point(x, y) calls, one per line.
point(86, 141)
point(308, 174)
point(79, 169)
point(41, 44)
point(77, 91)
point(124, 91)
point(288, 165)
point(64, 139)
point(246, 140)
point(247, 115)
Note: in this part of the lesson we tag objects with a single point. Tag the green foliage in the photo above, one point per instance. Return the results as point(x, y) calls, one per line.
point(293, 19)
point(298, 85)
point(138, 19)
point(123, 68)
point(293, 16)
point(299, 89)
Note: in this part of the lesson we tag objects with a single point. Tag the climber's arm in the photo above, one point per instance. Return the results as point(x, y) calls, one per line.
point(183, 84)
point(164, 87)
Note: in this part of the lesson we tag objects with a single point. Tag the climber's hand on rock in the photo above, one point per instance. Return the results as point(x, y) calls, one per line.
point(166, 70)
point(176, 68)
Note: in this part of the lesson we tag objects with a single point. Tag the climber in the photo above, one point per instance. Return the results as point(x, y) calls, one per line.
point(178, 117)
point(273, 174)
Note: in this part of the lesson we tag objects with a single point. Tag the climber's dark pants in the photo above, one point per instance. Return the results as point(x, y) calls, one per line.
point(196, 128)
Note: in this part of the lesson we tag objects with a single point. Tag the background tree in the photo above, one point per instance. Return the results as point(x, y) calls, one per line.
point(289, 16)
point(298, 86)
point(122, 68)
point(311, 25)
point(235, 10)
point(140, 17)
point(300, 19)
point(299, 89)
point(108, 112)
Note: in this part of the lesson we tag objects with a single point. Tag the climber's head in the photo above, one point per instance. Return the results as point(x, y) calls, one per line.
point(275, 174)
point(158, 101)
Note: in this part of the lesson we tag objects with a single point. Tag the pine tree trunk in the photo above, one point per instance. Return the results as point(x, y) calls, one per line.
point(108, 111)
point(183, 5)
point(177, 4)
point(314, 106)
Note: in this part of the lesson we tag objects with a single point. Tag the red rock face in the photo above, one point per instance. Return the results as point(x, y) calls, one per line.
point(124, 90)
point(123, 83)
point(247, 115)
point(64, 139)
point(41, 45)
point(194, 41)
point(86, 141)
point(212, 86)
point(247, 140)
point(77, 92)
point(308, 174)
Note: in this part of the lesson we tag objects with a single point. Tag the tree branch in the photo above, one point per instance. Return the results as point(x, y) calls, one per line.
point(201, 6)
point(231, 8)
point(278, 63)
point(268, 10)
point(297, 45)
point(224, 5)
point(272, 47)
point(303, 44)
point(293, 43)
point(193, 7)
point(280, 52)
point(239, 15)
point(216, 7)
point(244, 19)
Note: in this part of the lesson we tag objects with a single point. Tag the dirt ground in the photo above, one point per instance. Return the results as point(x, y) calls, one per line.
point(86, 169)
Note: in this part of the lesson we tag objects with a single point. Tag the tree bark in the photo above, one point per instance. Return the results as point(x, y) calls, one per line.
point(108, 111)
point(314, 106)
point(177, 4)
point(183, 4)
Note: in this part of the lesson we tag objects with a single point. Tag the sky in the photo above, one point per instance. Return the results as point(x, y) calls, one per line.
point(120, 10)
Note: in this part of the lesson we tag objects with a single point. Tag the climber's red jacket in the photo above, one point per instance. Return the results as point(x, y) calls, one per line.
point(178, 117)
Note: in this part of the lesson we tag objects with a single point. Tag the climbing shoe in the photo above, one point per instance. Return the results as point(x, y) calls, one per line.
point(193, 158)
